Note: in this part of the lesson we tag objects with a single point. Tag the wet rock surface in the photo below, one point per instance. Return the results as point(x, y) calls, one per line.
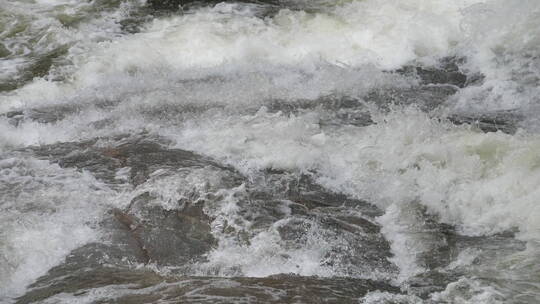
point(157, 247)
point(165, 7)
point(39, 66)
point(437, 248)
point(142, 286)
point(447, 72)
point(436, 86)
point(158, 244)
point(166, 237)
point(427, 98)
point(179, 235)
point(504, 121)
point(187, 151)
point(140, 155)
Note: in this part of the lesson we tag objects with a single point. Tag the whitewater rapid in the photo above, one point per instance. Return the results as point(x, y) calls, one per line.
point(320, 89)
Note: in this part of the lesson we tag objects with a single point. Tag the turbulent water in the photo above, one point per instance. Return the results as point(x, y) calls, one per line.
point(285, 151)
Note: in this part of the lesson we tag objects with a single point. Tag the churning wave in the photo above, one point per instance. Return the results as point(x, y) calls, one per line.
point(217, 152)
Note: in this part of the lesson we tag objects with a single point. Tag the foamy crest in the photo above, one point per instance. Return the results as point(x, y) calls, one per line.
point(230, 40)
point(249, 251)
point(354, 34)
point(484, 183)
point(469, 291)
point(500, 40)
point(198, 78)
point(45, 213)
point(45, 37)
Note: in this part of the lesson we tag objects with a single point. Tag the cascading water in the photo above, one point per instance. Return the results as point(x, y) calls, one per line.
point(358, 151)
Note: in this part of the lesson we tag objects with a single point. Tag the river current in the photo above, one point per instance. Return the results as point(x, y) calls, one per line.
point(283, 151)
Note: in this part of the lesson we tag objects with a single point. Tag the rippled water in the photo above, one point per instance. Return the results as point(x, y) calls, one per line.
point(287, 151)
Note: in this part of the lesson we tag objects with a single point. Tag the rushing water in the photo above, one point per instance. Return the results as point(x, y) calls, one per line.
point(286, 151)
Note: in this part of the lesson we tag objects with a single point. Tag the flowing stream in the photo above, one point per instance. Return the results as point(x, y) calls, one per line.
point(270, 151)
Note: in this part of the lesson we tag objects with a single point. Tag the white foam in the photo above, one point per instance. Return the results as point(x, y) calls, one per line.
point(33, 30)
point(466, 258)
point(242, 249)
point(397, 228)
point(272, 56)
point(483, 183)
point(261, 252)
point(45, 213)
point(466, 291)
point(351, 35)
point(379, 297)
point(354, 34)
point(501, 39)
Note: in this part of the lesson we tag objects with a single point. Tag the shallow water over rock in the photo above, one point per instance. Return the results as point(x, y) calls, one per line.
point(269, 152)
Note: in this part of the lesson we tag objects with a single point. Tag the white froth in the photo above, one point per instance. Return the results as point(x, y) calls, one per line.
point(501, 42)
point(355, 34)
point(483, 183)
point(262, 252)
point(45, 213)
point(398, 228)
point(31, 31)
point(242, 250)
point(379, 297)
point(350, 35)
point(466, 291)
point(227, 56)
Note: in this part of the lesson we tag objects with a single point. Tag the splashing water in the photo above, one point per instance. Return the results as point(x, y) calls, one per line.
point(263, 151)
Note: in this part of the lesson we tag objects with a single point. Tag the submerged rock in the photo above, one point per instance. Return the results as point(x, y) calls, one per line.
point(176, 234)
point(505, 121)
point(167, 237)
point(159, 7)
point(446, 72)
point(137, 155)
point(40, 65)
point(109, 285)
point(426, 98)
point(186, 209)
point(168, 4)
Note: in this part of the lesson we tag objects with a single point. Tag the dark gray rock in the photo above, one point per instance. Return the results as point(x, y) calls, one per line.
point(275, 289)
point(426, 98)
point(142, 155)
point(160, 7)
point(144, 233)
point(78, 281)
point(504, 121)
point(148, 287)
point(447, 72)
point(168, 4)
point(167, 237)
point(40, 65)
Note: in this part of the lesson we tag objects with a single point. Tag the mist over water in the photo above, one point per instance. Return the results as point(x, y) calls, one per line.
point(358, 151)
